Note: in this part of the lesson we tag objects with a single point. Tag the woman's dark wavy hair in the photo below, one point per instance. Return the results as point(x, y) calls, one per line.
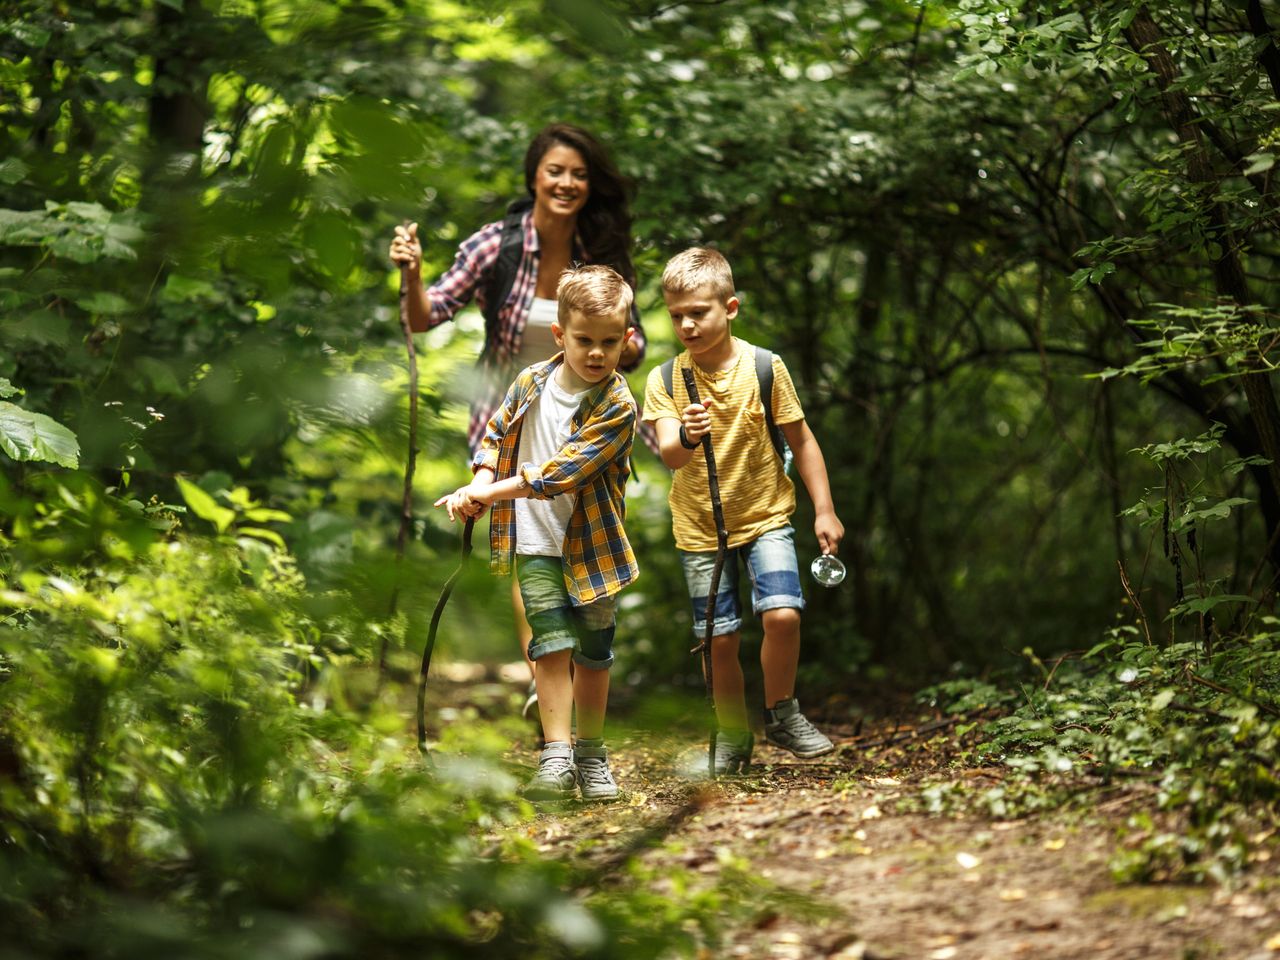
point(605, 220)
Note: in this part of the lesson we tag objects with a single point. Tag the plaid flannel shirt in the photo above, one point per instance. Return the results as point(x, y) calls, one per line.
point(466, 280)
point(593, 465)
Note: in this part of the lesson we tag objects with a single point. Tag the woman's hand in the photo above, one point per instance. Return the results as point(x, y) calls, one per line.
point(696, 422)
point(405, 249)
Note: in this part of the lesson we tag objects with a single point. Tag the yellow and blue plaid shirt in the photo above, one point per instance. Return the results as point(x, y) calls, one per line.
point(593, 464)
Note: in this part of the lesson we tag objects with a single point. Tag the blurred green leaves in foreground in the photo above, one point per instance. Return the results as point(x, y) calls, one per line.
point(194, 763)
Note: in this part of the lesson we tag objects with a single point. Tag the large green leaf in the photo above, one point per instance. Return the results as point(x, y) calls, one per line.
point(101, 301)
point(13, 170)
point(204, 506)
point(33, 436)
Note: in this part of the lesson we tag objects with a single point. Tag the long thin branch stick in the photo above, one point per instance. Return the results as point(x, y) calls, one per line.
point(1133, 598)
point(722, 541)
point(410, 463)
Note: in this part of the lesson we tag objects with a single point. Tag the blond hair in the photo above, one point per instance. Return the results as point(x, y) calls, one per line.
point(696, 269)
point(595, 291)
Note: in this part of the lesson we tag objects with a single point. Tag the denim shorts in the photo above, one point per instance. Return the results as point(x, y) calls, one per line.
point(775, 580)
point(558, 624)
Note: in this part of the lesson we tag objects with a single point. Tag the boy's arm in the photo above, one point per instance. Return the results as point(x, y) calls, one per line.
point(668, 420)
point(604, 438)
point(673, 453)
point(812, 468)
point(486, 456)
point(474, 498)
point(484, 465)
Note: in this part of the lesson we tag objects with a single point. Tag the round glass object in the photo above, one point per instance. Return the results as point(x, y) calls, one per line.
point(827, 570)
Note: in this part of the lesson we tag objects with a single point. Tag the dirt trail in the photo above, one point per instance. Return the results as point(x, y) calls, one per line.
point(845, 875)
point(864, 882)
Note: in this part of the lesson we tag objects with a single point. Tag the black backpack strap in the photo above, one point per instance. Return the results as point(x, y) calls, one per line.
point(668, 377)
point(764, 377)
point(502, 276)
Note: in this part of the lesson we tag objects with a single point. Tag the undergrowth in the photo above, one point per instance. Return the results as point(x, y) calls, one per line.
point(1196, 729)
point(188, 767)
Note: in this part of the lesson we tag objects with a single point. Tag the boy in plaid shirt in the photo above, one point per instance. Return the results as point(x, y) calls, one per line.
point(553, 464)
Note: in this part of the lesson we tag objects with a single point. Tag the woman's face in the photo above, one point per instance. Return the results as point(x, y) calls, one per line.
point(560, 185)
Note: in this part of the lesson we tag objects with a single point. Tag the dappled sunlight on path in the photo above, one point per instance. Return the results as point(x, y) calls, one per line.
point(837, 857)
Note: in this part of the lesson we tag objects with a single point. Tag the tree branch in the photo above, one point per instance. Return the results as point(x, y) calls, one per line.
point(1269, 56)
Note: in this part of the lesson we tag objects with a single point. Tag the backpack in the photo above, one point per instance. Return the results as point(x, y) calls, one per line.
point(764, 378)
point(503, 275)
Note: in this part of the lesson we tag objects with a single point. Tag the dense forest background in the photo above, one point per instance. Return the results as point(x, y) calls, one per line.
point(1020, 259)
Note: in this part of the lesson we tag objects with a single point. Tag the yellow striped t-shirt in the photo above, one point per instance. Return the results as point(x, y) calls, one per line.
point(757, 496)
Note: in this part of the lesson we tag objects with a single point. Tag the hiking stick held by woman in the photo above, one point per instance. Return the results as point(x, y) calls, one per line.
point(411, 459)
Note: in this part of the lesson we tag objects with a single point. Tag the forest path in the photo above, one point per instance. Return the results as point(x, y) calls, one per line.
point(846, 877)
point(835, 858)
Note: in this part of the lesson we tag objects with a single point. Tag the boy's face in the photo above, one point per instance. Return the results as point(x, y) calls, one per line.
point(701, 319)
point(592, 347)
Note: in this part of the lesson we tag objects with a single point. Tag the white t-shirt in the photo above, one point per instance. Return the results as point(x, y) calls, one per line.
point(537, 342)
point(540, 524)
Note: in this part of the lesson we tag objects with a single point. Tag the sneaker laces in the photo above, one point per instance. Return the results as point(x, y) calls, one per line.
point(594, 770)
point(798, 725)
point(554, 766)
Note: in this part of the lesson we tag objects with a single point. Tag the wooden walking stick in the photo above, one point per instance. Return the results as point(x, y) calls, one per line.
point(431, 638)
point(406, 499)
point(406, 523)
point(722, 542)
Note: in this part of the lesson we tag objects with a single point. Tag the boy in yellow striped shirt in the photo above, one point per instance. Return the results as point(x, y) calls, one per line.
point(757, 496)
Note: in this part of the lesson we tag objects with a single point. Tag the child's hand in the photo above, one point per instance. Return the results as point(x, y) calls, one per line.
point(696, 422)
point(463, 502)
point(830, 531)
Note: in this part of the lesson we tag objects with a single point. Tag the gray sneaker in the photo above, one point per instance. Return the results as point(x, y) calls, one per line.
point(594, 779)
point(787, 727)
point(556, 777)
point(733, 751)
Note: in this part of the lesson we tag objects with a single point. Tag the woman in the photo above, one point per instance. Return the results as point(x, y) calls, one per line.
point(577, 211)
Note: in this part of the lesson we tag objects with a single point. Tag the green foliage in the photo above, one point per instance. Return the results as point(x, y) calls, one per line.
point(1186, 512)
point(1226, 338)
point(33, 436)
point(1200, 733)
point(909, 195)
point(175, 734)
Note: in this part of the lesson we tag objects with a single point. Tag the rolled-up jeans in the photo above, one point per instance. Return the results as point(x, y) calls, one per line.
point(557, 623)
point(770, 560)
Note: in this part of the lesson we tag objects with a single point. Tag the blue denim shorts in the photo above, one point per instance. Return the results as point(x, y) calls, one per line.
point(558, 624)
point(775, 580)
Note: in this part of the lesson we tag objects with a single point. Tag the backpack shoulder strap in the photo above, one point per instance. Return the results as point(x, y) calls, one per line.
point(502, 277)
point(668, 377)
point(764, 377)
